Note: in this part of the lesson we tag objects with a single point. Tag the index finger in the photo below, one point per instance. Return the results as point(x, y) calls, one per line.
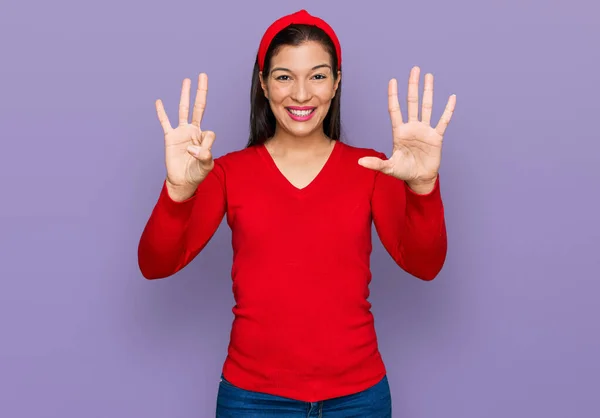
point(162, 117)
point(184, 102)
point(200, 102)
point(394, 104)
point(446, 116)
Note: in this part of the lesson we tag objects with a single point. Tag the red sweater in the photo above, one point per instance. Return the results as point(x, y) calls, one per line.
point(302, 325)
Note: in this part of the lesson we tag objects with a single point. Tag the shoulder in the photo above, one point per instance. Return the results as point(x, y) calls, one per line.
point(355, 152)
point(233, 164)
point(237, 158)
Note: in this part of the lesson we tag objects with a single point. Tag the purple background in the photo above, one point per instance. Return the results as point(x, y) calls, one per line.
point(509, 328)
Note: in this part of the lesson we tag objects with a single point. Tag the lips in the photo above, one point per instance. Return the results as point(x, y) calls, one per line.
point(300, 113)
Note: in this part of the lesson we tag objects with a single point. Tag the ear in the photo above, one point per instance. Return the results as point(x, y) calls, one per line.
point(263, 85)
point(337, 83)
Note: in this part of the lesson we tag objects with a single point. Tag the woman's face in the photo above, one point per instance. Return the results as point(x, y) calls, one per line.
point(300, 87)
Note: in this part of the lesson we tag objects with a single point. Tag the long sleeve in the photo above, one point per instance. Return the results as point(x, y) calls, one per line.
point(411, 226)
point(176, 232)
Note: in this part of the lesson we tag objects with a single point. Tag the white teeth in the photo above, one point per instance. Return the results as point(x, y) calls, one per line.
point(300, 112)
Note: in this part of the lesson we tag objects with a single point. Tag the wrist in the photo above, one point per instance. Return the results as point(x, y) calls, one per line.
point(422, 186)
point(180, 193)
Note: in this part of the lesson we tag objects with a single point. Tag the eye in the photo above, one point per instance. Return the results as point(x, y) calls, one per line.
point(320, 76)
point(282, 78)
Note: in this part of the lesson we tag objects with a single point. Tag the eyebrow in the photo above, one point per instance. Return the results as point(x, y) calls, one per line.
point(312, 69)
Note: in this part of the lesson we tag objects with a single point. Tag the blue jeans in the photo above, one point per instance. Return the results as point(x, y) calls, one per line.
point(234, 402)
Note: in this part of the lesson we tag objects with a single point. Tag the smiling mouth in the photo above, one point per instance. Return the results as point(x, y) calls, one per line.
point(300, 112)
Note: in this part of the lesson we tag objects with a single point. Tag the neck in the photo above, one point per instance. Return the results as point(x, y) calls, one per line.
point(284, 141)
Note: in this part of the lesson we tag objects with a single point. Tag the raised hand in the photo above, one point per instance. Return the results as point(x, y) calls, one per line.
point(417, 146)
point(188, 154)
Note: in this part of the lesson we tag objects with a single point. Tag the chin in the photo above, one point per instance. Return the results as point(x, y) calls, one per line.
point(301, 131)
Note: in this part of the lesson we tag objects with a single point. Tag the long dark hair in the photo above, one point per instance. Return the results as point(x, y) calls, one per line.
point(262, 120)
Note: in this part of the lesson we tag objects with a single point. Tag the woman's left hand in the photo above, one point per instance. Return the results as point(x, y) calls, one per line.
point(417, 149)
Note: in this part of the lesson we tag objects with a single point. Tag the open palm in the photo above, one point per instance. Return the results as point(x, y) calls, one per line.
point(417, 146)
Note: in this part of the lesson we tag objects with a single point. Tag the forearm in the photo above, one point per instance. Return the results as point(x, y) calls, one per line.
point(423, 245)
point(411, 226)
point(178, 230)
point(161, 249)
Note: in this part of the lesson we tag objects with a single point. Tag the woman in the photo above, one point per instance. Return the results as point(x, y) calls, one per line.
point(300, 204)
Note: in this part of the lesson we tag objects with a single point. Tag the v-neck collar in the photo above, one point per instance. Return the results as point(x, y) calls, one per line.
point(319, 178)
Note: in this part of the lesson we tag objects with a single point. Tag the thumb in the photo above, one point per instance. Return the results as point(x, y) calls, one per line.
point(373, 163)
point(200, 153)
point(203, 150)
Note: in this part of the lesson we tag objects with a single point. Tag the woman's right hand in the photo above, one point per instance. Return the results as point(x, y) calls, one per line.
point(188, 154)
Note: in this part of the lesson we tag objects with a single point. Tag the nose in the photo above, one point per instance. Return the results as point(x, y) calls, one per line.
point(300, 91)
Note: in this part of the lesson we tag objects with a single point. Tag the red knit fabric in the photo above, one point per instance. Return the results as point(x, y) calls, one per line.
point(301, 17)
point(303, 328)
